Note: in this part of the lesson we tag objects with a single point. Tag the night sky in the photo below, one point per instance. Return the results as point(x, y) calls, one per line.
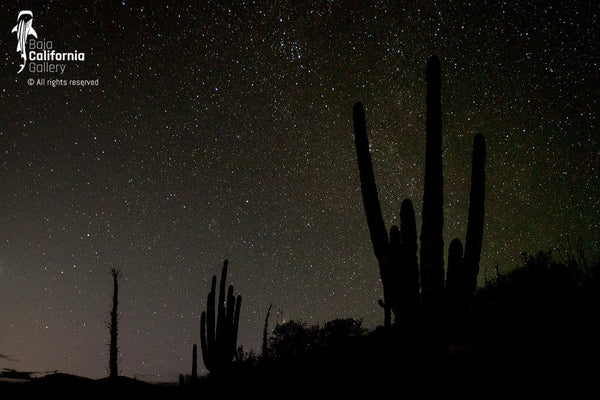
point(223, 131)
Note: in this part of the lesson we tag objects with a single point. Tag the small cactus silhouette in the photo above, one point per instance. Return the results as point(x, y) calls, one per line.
point(194, 363)
point(218, 336)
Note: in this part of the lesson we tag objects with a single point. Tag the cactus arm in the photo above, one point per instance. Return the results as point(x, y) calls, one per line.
point(236, 323)
point(203, 342)
point(474, 239)
point(409, 278)
point(455, 275)
point(210, 314)
point(221, 304)
point(377, 231)
point(230, 305)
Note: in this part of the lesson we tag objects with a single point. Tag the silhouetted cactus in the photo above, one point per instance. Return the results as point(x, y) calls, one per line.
point(474, 238)
point(405, 271)
point(194, 363)
point(455, 276)
point(395, 257)
point(432, 240)
point(396, 253)
point(462, 271)
point(377, 230)
point(218, 335)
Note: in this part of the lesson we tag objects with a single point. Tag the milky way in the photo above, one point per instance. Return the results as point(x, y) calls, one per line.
point(225, 132)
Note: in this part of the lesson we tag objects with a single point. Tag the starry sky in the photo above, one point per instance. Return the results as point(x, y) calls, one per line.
point(224, 131)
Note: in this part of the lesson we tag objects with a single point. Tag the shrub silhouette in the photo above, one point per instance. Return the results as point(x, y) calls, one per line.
point(540, 317)
point(292, 339)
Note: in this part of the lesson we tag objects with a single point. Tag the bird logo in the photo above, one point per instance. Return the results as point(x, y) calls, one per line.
point(23, 29)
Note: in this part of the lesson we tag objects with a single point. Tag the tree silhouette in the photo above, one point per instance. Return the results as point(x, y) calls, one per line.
point(265, 344)
point(113, 327)
point(292, 339)
point(296, 338)
point(339, 331)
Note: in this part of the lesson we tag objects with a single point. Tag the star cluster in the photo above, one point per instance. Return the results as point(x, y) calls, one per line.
point(223, 131)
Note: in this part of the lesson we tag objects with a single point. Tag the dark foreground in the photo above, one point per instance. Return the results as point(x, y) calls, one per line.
point(536, 332)
point(373, 366)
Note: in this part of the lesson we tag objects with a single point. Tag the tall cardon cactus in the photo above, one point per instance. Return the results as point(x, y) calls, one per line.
point(408, 286)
